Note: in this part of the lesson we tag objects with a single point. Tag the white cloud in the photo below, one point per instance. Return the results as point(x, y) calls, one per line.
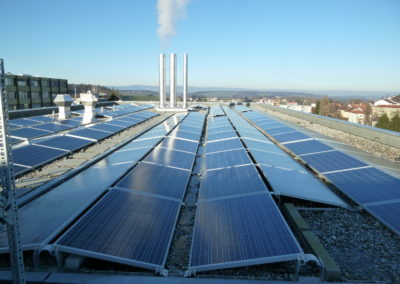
point(169, 12)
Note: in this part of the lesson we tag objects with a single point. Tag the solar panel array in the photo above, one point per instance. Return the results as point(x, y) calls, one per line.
point(33, 120)
point(116, 110)
point(285, 175)
point(376, 191)
point(142, 208)
point(28, 157)
point(37, 126)
point(123, 110)
point(45, 217)
point(237, 222)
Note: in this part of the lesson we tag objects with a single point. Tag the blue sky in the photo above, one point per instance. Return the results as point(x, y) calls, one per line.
point(257, 44)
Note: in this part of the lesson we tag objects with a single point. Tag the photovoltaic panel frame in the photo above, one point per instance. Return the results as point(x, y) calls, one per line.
point(65, 143)
point(142, 227)
point(156, 179)
point(332, 161)
point(367, 185)
point(240, 231)
point(226, 159)
point(230, 181)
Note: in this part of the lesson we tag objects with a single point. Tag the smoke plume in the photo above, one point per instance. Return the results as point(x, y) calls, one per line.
point(169, 12)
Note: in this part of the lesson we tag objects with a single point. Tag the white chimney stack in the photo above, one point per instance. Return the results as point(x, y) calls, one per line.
point(163, 96)
point(89, 101)
point(64, 106)
point(185, 79)
point(172, 81)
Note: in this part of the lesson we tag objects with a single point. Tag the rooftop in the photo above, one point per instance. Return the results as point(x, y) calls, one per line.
point(178, 194)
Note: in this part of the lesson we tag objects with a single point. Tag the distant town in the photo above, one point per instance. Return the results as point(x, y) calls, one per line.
point(26, 91)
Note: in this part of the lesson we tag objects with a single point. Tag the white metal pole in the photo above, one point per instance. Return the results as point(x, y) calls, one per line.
point(8, 204)
point(162, 81)
point(185, 79)
point(172, 81)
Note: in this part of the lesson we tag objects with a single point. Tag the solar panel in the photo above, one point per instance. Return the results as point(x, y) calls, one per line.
point(226, 159)
point(217, 123)
point(213, 130)
point(270, 125)
point(14, 126)
point(221, 135)
point(121, 123)
point(14, 140)
point(43, 218)
point(307, 147)
point(28, 133)
point(91, 134)
point(33, 155)
point(23, 122)
point(107, 127)
point(366, 185)
point(156, 179)
point(264, 146)
point(125, 227)
point(253, 135)
point(153, 133)
point(223, 145)
point(52, 127)
point(230, 181)
point(188, 128)
point(66, 143)
point(301, 185)
point(140, 143)
point(133, 120)
point(178, 144)
point(332, 161)
point(240, 231)
point(18, 170)
point(70, 122)
point(280, 130)
point(169, 157)
point(291, 136)
point(388, 213)
point(276, 160)
point(185, 135)
point(130, 157)
point(41, 118)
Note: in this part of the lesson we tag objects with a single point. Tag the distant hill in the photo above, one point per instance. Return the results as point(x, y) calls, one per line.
point(251, 94)
point(179, 88)
point(241, 92)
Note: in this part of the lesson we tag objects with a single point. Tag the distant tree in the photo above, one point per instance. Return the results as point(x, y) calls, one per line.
point(383, 122)
point(317, 107)
point(113, 96)
point(323, 109)
point(368, 114)
point(395, 123)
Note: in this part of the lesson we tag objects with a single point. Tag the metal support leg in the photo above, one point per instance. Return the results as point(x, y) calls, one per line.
point(8, 205)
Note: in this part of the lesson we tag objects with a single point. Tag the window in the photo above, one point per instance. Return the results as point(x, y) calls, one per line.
point(9, 81)
point(45, 95)
point(21, 83)
point(45, 83)
point(34, 83)
point(63, 84)
point(23, 95)
point(11, 95)
point(54, 83)
point(35, 95)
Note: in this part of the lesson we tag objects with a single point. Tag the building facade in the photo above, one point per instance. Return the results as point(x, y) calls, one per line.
point(390, 110)
point(25, 91)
